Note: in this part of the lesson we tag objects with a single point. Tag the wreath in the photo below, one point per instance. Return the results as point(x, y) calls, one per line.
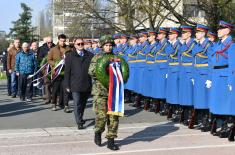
point(101, 70)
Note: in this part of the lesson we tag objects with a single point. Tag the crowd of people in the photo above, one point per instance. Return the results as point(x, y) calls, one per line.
point(189, 80)
point(22, 61)
point(14, 64)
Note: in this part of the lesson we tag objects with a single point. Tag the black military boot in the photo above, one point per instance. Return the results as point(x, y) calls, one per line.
point(231, 133)
point(97, 139)
point(157, 106)
point(181, 114)
point(147, 104)
point(111, 145)
point(187, 114)
point(175, 113)
point(206, 124)
point(137, 102)
point(127, 95)
point(224, 132)
point(152, 105)
point(191, 119)
point(164, 108)
point(170, 112)
point(214, 127)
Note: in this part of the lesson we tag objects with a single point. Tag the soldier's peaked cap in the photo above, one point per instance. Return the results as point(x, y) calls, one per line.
point(223, 24)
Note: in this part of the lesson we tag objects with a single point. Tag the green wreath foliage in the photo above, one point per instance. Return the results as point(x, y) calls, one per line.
point(101, 70)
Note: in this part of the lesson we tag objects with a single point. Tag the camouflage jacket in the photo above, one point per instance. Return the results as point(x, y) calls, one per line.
point(97, 88)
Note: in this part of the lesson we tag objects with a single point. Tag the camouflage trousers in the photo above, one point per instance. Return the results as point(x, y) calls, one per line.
point(100, 108)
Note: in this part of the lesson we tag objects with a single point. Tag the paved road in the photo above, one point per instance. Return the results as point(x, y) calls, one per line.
point(28, 129)
point(137, 138)
point(15, 114)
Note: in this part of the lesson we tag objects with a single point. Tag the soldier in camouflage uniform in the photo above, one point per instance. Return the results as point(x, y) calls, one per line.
point(100, 99)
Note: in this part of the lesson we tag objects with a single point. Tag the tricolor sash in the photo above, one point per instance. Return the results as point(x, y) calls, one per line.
point(38, 71)
point(38, 80)
point(116, 90)
point(58, 68)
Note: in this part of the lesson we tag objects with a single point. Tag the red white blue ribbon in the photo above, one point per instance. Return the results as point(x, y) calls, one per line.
point(38, 71)
point(58, 68)
point(116, 90)
point(38, 80)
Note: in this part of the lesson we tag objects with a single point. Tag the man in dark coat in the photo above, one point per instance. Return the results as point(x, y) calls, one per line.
point(42, 53)
point(43, 50)
point(77, 79)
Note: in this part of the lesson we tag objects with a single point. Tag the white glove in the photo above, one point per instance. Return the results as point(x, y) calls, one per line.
point(230, 88)
point(166, 76)
point(192, 81)
point(208, 84)
point(30, 76)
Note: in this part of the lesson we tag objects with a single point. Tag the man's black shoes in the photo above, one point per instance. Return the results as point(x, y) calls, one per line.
point(22, 99)
point(80, 127)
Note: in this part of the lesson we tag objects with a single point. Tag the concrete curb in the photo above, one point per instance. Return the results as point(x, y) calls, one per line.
point(66, 131)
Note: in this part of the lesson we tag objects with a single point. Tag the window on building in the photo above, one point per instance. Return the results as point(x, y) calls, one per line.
point(192, 10)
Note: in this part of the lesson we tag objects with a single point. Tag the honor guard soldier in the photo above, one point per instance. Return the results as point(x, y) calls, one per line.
point(88, 46)
point(201, 72)
point(148, 70)
point(95, 47)
point(160, 71)
point(186, 73)
point(212, 36)
point(117, 46)
point(131, 59)
point(231, 86)
point(220, 84)
point(172, 84)
point(124, 46)
point(139, 64)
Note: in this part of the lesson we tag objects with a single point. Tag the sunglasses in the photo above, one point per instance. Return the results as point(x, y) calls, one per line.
point(80, 44)
point(49, 42)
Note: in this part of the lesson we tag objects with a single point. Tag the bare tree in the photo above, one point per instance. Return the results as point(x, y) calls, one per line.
point(216, 10)
point(128, 15)
point(95, 17)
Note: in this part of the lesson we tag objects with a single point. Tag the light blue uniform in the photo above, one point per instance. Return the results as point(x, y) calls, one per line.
point(117, 48)
point(96, 50)
point(186, 72)
point(148, 70)
point(231, 80)
point(172, 86)
point(123, 51)
point(201, 74)
point(221, 101)
point(140, 64)
point(131, 59)
point(160, 69)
